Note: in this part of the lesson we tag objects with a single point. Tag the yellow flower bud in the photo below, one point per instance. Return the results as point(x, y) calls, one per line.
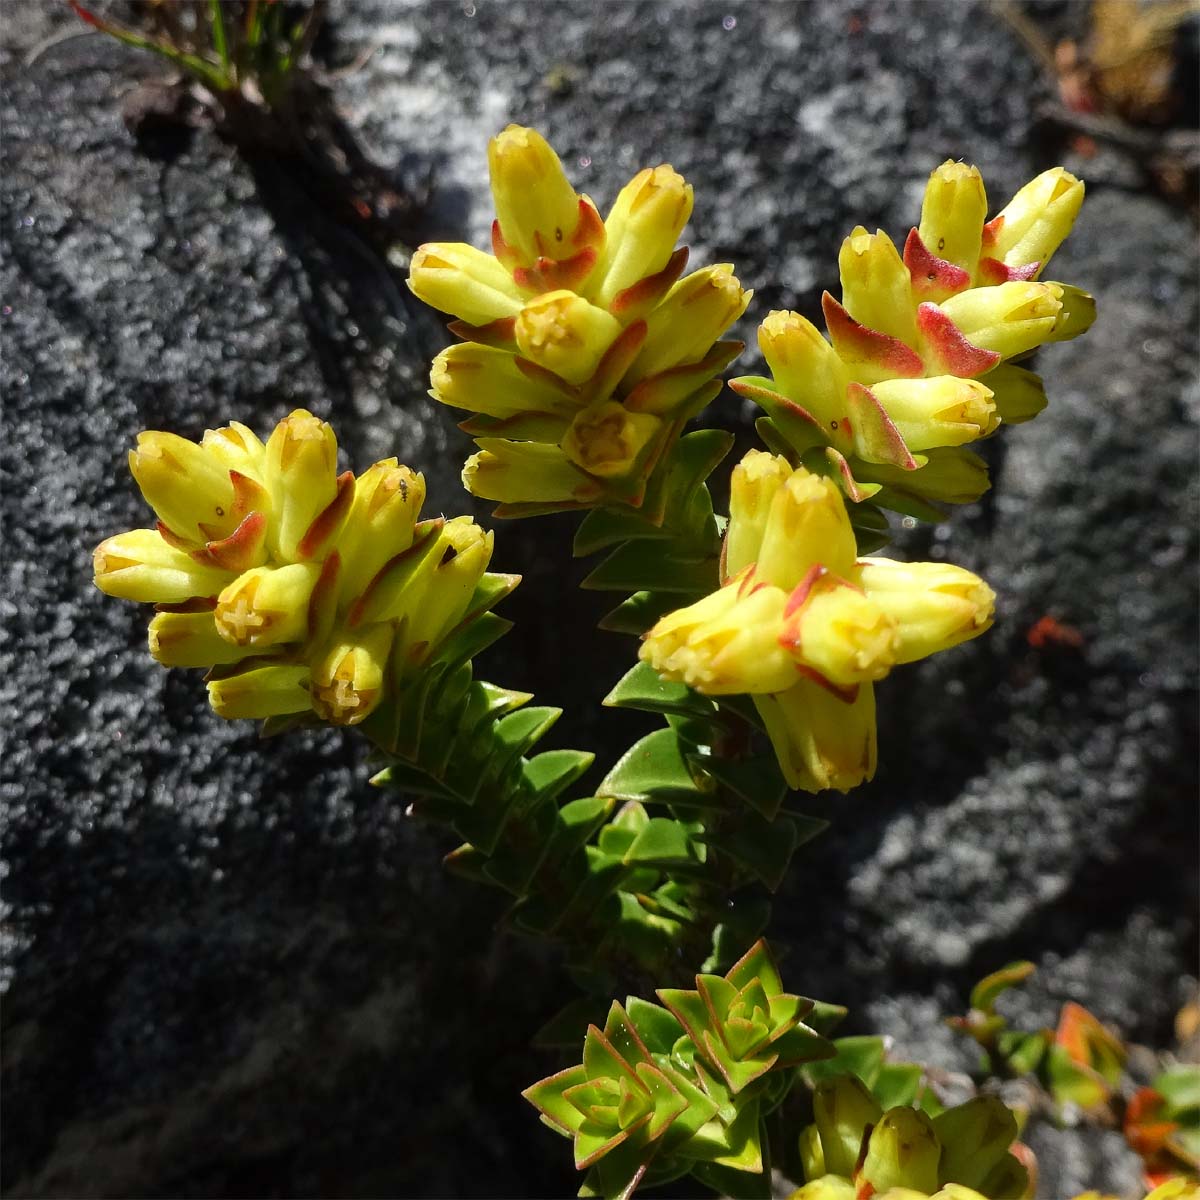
point(188, 487)
point(301, 467)
point(237, 448)
point(807, 525)
point(752, 487)
point(190, 639)
point(458, 279)
point(387, 502)
point(903, 1152)
point(826, 1187)
point(348, 677)
point(436, 604)
point(1019, 395)
point(1007, 319)
point(1179, 1188)
point(950, 475)
point(843, 1108)
point(726, 644)
point(1078, 312)
point(943, 411)
point(608, 441)
point(526, 472)
point(641, 230)
point(1036, 221)
point(839, 633)
point(821, 740)
point(974, 1136)
point(267, 606)
point(536, 206)
point(876, 288)
point(140, 565)
point(486, 380)
point(565, 334)
point(953, 213)
point(804, 365)
point(935, 605)
point(274, 690)
point(693, 315)
point(812, 1155)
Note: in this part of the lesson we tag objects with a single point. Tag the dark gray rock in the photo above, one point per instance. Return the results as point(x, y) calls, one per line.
point(232, 968)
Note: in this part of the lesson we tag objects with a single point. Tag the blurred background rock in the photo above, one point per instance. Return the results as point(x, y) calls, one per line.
point(232, 969)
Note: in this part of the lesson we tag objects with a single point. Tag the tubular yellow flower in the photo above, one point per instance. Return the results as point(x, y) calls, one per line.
point(187, 486)
point(697, 310)
point(641, 230)
point(608, 441)
point(726, 644)
point(876, 290)
point(752, 488)
point(140, 565)
point(536, 206)
point(459, 279)
point(943, 411)
point(807, 526)
point(1007, 319)
point(267, 605)
point(842, 1109)
point(348, 678)
point(1019, 395)
point(526, 472)
point(1036, 221)
point(565, 334)
point(190, 639)
point(387, 501)
point(934, 605)
point(822, 740)
point(274, 690)
point(488, 380)
point(949, 475)
point(903, 1152)
point(804, 365)
point(301, 465)
point(840, 633)
point(953, 213)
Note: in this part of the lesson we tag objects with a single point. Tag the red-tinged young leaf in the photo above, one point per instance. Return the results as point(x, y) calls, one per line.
point(329, 520)
point(800, 429)
point(241, 550)
point(1089, 1043)
point(547, 1097)
point(859, 346)
point(507, 256)
point(322, 603)
point(986, 992)
point(993, 271)
point(665, 392)
point(549, 275)
point(590, 229)
point(876, 437)
point(612, 366)
point(1146, 1128)
point(947, 349)
point(757, 963)
point(400, 568)
point(500, 334)
point(641, 297)
point(933, 278)
point(248, 495)
point(842, 472)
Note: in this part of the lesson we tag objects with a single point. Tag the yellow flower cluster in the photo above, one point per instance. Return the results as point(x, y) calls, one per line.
point(855, 1149)
point(304, 590)
point(888, 404)
point(806, 627)
point(584, 350)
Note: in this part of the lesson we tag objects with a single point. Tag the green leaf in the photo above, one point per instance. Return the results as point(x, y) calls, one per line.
point(985, 993)
point(547, 1097)
point(664, 842)
point(655, 1026)
point(639, 613)
point(604, 527)
point(1180, 1087)
point(653, 769)
point(898, 1083)
point(550, 772)
point(756, 780)
point(644, 566)
point(860, 1056)
point(825, 1018)
point(642, 688)
point(764, 847)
